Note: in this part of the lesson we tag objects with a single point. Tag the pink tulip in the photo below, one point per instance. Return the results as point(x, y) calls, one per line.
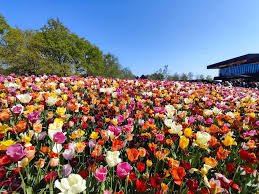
point(160, 137)
point(123, 170)
point(100, 174)
point(120, 118)
point(59, 137)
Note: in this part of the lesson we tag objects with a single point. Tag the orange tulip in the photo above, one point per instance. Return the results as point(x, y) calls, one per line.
point(97, 151)
point(178, 174)
point(37, 127)
point(173, 163)
point(210, 161)
point(5, 115)
point(222, 154)
point(44, 149)
point(80, 146)
point(213, 129)
point(152, 146)
point(20, 126)
point(133, 154)
point(117, 144)
point(213, 141)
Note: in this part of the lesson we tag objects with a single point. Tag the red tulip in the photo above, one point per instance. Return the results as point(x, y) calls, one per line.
point(50, 177)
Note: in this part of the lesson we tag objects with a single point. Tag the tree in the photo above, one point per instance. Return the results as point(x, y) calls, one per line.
point(184, 77)
point(190, 76)
point(201, 77)
point(16, 52)
point(53, 49)
point(112, 66)
point(174, 77)
point(160, 74)
point(127, 74)
point(209, 78)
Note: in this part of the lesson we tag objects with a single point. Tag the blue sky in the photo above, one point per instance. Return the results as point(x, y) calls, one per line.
point(186, 35)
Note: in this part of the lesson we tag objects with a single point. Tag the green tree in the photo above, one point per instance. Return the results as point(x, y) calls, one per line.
point(184, 77)
point(209, 78)
point(174, 77)
point(160, 74)
point(112, 66)
point(201, 77)
point(16, 52)
point(127, 74)
point(53, 49)
point(190, 76)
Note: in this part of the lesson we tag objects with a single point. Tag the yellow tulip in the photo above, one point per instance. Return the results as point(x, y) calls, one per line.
point(61, 111)
point(229, 140)
point(149, 163)
point(5, 144)
point(184, 142)
point(94, 135)
point(74, 88)
point(188, 132)
point(64, 97)
point(4, 128)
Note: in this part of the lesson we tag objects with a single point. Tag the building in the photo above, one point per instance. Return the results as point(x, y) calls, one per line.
point(244, 67)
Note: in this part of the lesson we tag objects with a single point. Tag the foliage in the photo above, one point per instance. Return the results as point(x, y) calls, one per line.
point(160, 74)
point(53, 49)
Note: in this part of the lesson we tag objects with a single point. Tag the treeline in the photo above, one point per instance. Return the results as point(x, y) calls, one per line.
point(163, 74)
point(54, 49)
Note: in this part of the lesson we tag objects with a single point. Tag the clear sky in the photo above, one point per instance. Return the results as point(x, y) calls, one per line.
point(186, 35)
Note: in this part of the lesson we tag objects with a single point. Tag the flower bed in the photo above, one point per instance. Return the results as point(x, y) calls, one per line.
point(96, 135)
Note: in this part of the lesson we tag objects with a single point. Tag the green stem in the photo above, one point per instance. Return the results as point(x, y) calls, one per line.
point(23, 183)
point(126, 185)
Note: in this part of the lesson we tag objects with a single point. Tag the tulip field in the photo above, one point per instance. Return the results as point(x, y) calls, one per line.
point(96, 135)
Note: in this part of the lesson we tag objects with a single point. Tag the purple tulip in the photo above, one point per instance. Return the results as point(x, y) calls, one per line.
point(250, 133)
point(42, 135)
point(59, 137)
point(208, 121)
point(35, 88)
point(16, 152)
point(191, 120)
point(2, 78)
point(67, 169)
point(18, 109)
point(74, 161)
point(115, 129)
point(91, 143)
point(12, 91)
point(130, 121)
point(33, 117)
point(69, 153)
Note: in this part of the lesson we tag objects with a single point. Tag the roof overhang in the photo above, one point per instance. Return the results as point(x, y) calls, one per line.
point(245, 59)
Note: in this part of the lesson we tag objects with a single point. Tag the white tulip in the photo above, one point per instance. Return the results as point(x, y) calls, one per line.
point(51, 101)
point(24, 98)
point(72, 185)
point(112, 158)
point(176, 129)
point(168, 122)
point(202, 138)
